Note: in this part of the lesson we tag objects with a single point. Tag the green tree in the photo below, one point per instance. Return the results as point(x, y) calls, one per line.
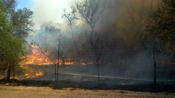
point(20, 19)
point(14, 27)
point(21, 22)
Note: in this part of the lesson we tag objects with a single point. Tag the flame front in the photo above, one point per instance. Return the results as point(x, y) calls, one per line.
point(33, 75)
point(37, 57)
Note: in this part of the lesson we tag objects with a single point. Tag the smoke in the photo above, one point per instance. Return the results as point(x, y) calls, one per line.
point(49, 11)
point(120, 23)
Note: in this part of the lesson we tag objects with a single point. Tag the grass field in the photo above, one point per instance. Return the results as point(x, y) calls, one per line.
point(46, 92)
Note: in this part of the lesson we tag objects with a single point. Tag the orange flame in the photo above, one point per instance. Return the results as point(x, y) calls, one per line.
point(65, 62)
point(33, 75)
point(39, 74)
point(36, 57)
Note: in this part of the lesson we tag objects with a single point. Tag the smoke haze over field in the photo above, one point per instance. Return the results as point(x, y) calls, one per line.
point(120, 35)
point(51, 12)
point(49, 15)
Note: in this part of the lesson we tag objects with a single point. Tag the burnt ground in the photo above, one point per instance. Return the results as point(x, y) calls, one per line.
point(90, 85)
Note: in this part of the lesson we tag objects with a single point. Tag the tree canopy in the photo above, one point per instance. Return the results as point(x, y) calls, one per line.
point(14, 27)
point(162, 25)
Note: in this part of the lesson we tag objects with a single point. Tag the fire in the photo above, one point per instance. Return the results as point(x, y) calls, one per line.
point(65, 62)
point(39, 74)
point(69, 62)
point(33, 75)
point(37, 57)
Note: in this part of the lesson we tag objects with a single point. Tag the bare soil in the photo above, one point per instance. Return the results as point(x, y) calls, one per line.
point(46, 92)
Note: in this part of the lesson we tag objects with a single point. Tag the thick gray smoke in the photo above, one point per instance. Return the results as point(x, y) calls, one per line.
point(119, 31)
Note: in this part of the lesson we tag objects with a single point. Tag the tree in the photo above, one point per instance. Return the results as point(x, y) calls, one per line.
point(88, 10)
point(161, 28)
point(71, 17)
point(21, 22)
point(20, 19)
point(11, 50)
point(11, 47)
point(163, 22)
point(13, 24)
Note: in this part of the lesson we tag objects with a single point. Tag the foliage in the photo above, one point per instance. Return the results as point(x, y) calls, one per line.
point(22, 23)
point(11, 49)
point(162, 24)
point(14, 27)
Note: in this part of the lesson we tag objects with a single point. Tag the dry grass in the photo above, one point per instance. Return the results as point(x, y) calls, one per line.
point(45, 92)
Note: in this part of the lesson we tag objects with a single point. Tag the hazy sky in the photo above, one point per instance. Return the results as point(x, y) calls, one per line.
point(46, 10)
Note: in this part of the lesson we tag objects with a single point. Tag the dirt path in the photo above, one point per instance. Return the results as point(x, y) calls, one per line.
point(44, 92)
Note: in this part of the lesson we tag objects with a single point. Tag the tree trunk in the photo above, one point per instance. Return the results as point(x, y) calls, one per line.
point(8, 73)
point(98, 68)
point(154, 65)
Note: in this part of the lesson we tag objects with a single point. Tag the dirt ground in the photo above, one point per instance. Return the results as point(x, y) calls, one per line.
point(45, 92)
